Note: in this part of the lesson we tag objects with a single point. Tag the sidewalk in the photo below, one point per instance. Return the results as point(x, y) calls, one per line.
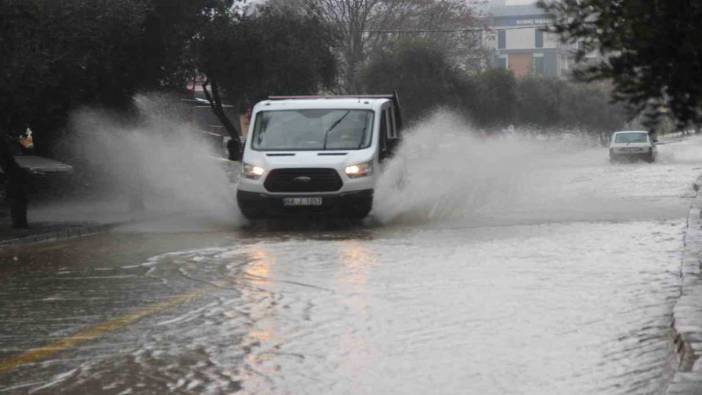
point(47, 231)
point(687, 313)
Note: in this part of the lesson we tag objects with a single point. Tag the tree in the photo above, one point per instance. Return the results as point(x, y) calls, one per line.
point(296, 54)
point(55, 56)
point(650, 50)
point(588, 106)
point(420, 72)
point(495, 99)
point(219, 49)
point(539, 101)
point(556, 103)
point(169, 30)
point(427, 80)
point(369, 26)
point(248, 57)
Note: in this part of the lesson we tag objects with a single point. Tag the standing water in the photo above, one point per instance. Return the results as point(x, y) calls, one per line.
point(526, 265)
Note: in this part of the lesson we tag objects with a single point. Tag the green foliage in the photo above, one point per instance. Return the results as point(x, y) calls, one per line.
point(55, 55)
point(589, 106)
point(58, 55)
point(296, 54)
point(555, 103)
point(540, 101)
point(651, 51)
point(366, 27)
point(494, 103)
point(271, 53)
point(168, 33)
point(419, 71)
point(492, 99)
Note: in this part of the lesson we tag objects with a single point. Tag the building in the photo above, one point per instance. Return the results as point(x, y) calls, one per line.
point(520, 44)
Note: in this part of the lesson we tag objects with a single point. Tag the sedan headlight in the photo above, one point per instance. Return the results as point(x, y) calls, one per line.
point(359, 170)
point(251, 171)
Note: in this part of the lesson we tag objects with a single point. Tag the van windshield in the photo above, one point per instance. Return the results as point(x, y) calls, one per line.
point(631, 138)
point(312, 130)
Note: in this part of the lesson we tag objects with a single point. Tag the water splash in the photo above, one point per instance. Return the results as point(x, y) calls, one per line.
point(160, 156)
point(446, 170)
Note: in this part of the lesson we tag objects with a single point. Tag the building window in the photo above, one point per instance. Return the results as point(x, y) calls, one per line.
point(539, 38)
point(502, 62)
point(501, 39)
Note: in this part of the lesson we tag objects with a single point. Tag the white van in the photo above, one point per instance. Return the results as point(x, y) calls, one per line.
point(632, 144)
point(317, 154)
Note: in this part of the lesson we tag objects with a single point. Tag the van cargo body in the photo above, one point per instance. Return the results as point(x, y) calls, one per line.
point(318, 155)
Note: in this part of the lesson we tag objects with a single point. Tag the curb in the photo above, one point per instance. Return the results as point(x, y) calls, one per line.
point(67, 233)
point(687, 312)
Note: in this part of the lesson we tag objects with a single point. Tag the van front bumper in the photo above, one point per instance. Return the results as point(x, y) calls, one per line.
point(257, 204)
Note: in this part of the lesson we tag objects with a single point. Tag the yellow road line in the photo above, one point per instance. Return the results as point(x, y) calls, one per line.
point(91, 333)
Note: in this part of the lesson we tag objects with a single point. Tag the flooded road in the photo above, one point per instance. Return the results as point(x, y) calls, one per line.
point(562, 282)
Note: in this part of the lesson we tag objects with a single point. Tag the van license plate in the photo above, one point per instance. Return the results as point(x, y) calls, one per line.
point(302, 201)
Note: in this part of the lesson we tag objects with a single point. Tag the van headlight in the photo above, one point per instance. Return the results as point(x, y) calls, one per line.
point(359, 170)
point(251, 171)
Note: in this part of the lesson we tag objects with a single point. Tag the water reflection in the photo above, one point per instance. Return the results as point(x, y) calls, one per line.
point(355, 342)
point(259, 265)
point(357, 260)
point(259, 308)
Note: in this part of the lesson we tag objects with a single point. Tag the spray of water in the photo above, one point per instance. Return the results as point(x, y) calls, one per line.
point(446, 170)
point(161, 158)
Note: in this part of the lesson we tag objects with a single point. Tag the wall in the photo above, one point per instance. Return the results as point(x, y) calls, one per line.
point(520, 38)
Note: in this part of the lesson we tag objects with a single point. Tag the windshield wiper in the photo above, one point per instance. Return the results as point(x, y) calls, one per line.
point(335, 124)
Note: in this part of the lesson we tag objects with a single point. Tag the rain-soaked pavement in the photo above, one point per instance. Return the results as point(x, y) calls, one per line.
point(569, 290)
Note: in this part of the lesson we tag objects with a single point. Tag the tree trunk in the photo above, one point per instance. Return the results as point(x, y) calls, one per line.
point(15, 184)
point(215, 100)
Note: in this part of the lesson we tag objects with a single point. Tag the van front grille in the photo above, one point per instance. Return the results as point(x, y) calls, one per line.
point(303, 180)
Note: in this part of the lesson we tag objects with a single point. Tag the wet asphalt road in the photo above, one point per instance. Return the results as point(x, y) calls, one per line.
point(570, 292)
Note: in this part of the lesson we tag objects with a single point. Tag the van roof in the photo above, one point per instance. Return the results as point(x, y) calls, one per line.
point(631, 131)
point(321, 102)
